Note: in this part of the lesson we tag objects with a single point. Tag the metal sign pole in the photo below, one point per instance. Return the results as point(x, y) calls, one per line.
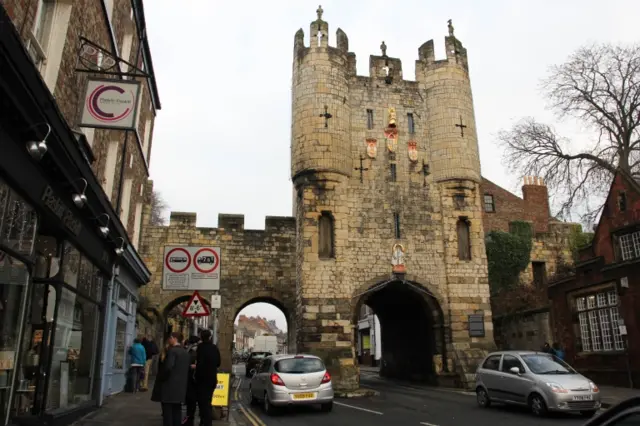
point(215, 326)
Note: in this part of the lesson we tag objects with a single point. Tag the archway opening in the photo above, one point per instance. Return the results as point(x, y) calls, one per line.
point(399, 330)
point(175, 322)
point(261, 325)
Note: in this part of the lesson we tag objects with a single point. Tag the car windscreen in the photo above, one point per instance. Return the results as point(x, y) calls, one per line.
point(547, 364)
point(299, 366)
point(260, 355)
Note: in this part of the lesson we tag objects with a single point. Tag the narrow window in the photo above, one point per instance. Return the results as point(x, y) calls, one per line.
point(325, 242)
point(392, 170)
point(622, 201)
point(458, 201)
point(396, 225)
point(369, 119)
point(489, 204)
point(410, 123)
point(539, 273)
point(464, 239)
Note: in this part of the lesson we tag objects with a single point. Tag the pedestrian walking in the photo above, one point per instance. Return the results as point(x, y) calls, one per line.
point(172, 381)
point(558, 351)
point(138, 358)
point(546, 348)
point(152, 350)
point(192, 396)
point(156, 393)
point(207, 364)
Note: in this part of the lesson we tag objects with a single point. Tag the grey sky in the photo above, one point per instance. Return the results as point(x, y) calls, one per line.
point(221, 142)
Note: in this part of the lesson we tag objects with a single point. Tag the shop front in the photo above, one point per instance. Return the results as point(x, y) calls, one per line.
point(121, 325)
point(60, 241)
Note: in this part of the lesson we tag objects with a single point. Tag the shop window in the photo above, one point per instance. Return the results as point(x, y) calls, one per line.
point(123, 298)
point(120, 346)
point(18, 221)
point(74, 353)
point(14, 278)
point(598, 318)
point(464, 239)
point(489, 204)
point(630, 245)
point(326, 236)
point(79, 273)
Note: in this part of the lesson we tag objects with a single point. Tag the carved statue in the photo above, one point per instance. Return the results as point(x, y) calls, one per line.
point(392, 117)
point(397, 257)
point(450, 28)
point(383, 47)
point(319, 11)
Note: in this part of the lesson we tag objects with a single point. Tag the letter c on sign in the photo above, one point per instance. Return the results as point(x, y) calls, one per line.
point(96, 95)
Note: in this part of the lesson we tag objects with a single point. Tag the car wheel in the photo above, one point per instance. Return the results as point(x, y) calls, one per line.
point(537, 405)
point(269, 409)
point(326, 407)
point(482, 397)
point(589, 413)
point(254, 400)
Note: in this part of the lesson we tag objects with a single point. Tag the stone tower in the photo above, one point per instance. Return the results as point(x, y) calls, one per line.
point(386, 179)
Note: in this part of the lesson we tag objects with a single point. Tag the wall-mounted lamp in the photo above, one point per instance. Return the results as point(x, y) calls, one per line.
point(104, 229)
point(80, 199)
point(37, 149)
point(120, 250)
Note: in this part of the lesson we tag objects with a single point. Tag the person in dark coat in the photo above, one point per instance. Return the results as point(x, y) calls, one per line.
point(207, 364)
point(192, 397)
point(156, 395)
point(173, 379)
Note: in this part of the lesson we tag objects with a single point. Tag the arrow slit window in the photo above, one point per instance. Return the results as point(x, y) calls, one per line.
point(464, 239)
point(326, 243)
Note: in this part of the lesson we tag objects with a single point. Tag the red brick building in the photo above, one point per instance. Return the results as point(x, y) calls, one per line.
point(592, 310)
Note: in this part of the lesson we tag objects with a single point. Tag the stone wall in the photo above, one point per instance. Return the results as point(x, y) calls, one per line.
point(526, 330)
point(256, 265)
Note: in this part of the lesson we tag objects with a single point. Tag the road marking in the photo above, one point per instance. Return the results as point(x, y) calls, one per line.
point(427, 424)
point(358, 408)
point(253, 422)
point(251, 415)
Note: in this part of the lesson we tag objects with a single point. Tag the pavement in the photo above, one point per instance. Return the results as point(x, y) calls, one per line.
point(397, 403)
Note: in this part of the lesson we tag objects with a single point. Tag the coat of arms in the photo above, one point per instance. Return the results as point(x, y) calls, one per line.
point(397, 259)
point(372, 148)
point(391, 134)
point(412, 149)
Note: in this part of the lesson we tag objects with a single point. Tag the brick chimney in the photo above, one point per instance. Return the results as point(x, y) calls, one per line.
point(536, 200)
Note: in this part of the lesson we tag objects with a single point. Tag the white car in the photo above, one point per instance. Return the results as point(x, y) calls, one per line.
point(283, 380)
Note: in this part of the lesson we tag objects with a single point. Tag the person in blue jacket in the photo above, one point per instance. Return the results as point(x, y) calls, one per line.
point(138, 359)
point(557, 351)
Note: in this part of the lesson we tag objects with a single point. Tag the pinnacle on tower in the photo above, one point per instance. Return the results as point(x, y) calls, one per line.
point(320, 11)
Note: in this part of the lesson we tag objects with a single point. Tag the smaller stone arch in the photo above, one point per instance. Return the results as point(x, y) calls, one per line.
point(423, 313)
point(227, 315)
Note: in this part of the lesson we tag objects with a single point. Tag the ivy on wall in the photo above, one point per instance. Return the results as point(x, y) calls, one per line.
point(579, 240)
point(508, 254)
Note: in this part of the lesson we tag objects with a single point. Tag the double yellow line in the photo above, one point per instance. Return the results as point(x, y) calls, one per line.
point(250, 415)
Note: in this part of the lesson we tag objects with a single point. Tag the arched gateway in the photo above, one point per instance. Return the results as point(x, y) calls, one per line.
point(386, 177)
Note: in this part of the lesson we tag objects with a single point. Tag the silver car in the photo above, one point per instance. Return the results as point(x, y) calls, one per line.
point(536, 379)
point(291, 380)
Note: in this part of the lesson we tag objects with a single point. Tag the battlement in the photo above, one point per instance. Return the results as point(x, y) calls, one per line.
point(232, 223)
point(380, 66)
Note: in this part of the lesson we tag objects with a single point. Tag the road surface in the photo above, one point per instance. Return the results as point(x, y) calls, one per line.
point(397, 404)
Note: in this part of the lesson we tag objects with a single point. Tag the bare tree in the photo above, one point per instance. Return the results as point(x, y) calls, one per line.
point(600, 86)
point(158, 207)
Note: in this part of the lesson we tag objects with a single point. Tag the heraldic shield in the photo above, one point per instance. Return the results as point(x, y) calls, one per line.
point(391, 134)
point(412, 149)
point(372, 148)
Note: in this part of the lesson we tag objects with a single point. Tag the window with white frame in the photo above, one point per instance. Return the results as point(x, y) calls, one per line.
point(630, 245)
point(147, 138)
point(126, 202)
point(39, 38)
point(598, 318)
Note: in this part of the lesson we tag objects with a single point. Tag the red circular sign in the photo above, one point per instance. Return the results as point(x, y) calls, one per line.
point(211, 258)
point(177, 260)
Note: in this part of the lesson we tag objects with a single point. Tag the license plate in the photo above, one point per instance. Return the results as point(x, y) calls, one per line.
point(583, 398)
point(304, 396)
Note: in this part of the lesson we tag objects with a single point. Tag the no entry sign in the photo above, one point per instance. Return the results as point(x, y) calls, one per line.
point(191, 268)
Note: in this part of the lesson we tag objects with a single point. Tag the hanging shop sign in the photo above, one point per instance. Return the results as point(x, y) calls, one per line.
point(111, 104)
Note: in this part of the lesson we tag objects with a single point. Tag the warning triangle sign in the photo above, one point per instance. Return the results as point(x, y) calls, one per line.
point(196, 307)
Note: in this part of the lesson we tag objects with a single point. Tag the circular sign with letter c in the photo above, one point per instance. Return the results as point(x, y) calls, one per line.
point(206, 260)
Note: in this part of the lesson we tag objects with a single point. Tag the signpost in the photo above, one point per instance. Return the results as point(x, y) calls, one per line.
point(196, 307)
point(191, 268)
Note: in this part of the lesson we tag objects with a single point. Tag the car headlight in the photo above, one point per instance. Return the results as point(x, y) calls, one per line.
point(556, 388)
point(594, 387)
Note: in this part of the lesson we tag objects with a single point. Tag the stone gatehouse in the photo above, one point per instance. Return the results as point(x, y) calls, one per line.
point(388, 212)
